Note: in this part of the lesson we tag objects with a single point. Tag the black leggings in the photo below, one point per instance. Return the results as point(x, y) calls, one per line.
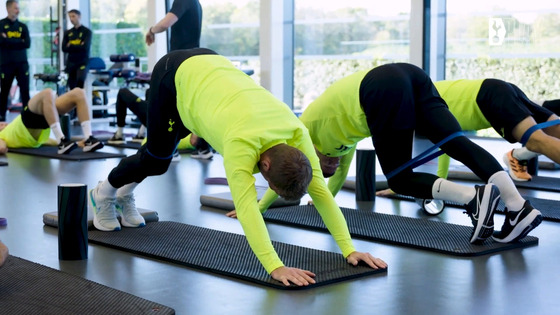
point(128, 100)
point(164, 125)
point(19, 71)
point(408, 101)
point(77, 75)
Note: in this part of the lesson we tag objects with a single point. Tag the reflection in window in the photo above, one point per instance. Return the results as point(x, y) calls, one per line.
point(336, 38)
point(35, 14)
point(516, 41)
point(231, 28)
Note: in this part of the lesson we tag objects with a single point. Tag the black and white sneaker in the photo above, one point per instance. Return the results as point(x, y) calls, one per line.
point(138, 139)
point(92, 144)
point(518, 224)
point(202, 154)
point(176, 156)
point(65, 146)
point(481, 210)
point(116, 139)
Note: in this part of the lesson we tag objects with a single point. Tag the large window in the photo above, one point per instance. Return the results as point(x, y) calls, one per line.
point(516, 41)
point(118, 27)
point(336, 38)
point(231, 28)
point(36, 15)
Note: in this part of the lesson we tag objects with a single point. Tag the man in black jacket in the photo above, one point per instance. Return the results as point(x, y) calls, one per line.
point(76, 43)
point(14, 40)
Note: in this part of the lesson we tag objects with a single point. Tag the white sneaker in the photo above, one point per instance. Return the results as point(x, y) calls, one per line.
point(202, 154)
point(126, 208)
point(176, 157)
point(104, 213)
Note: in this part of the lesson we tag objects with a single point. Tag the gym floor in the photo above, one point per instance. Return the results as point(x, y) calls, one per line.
point(520, 281)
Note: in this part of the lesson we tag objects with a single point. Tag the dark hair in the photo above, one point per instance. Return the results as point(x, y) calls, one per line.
point(9, 2)
point(290, 171)
point(77, 12)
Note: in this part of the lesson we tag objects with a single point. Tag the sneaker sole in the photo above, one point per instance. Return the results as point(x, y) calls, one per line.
point(96, 223)
point(125, 223)
point(68, 149)
point(482, 230)
point(116, 142)
point(203, 157)
point(523, 228)
point(511, 173)
point(94, 147)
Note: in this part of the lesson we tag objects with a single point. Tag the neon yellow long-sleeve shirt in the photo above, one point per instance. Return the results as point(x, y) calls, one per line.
point(241, 120)
point(460, 96)
point(337, 122)
point(16, 135)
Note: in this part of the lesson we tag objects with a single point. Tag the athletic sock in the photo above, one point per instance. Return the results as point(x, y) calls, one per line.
point(447, 190)
point(106, 190)
point(119, 132)
point(508, 192)
point(57, 131)
point(126, 189)
point(141, 131)
point(524, 154)
point(86, 128)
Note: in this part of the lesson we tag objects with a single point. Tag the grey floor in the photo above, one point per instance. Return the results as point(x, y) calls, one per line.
point(523, 281)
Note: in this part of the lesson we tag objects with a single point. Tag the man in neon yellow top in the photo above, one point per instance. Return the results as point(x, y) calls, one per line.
point(481, 104)
point(201, 92)
point(390, 103)
point(32, 128)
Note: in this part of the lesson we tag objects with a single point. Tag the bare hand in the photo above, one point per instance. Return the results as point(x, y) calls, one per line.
point(232, 214)
point(150, 38)
point(355, 257)
point(296, 276)
point(385, 192)
point(4, 253)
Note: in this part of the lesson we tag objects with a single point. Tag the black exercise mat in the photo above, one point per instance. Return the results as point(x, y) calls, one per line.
point(538, 182)
point(380, 182)
point(2, 163)
point(126, 145)
point(226, 253)
point(447, 238)
point(75, 155)
point(30, 288)
point(224, 200)
point(51, 218)
point(550, 209)
point(136, 146)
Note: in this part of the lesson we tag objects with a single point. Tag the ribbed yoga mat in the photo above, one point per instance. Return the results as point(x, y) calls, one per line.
point(447, 238)
point(224, 200)
point(550, 209)
point(30, 288)
point(75, 155)
point(538, 182)
point(226, 253)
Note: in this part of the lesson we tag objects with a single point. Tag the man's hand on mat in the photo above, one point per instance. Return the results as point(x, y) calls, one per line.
point(384, 192)
point(296, 276)
point(355, 257)
point(232, 214)
point(4, 253)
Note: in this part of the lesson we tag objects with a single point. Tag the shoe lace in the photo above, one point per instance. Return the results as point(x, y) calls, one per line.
point(127, 203)
point(107, 208)
point(518, 166)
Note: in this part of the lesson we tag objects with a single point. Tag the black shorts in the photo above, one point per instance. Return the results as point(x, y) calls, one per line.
point(164, 124)
point(504, 105)
point(32, 120)
point(393, 95)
